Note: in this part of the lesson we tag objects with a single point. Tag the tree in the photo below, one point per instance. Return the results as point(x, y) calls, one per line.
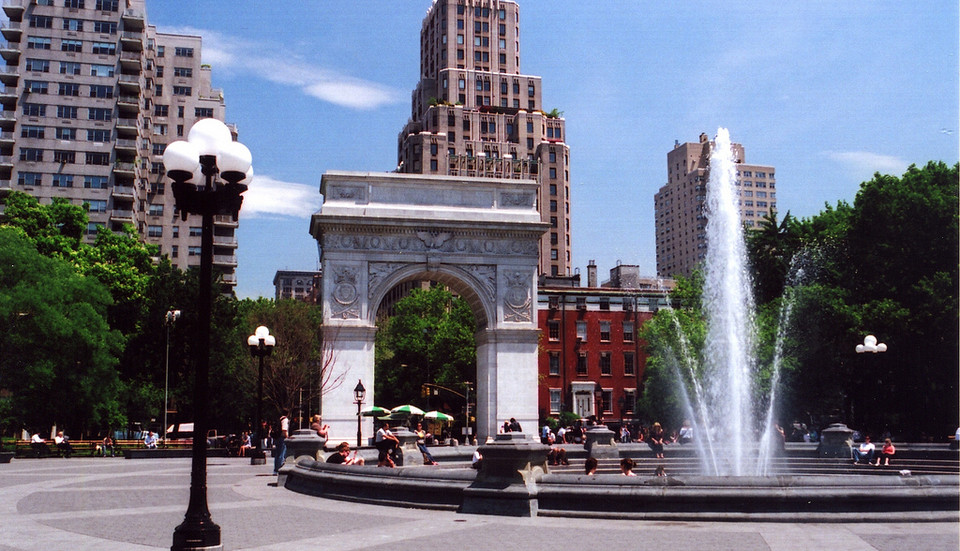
point(429, 340)
point(303, 365)
point(59, 360)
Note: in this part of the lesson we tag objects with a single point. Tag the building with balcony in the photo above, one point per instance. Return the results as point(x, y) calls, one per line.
point(475, 114)
point(91, 95)
point(679, 214)
point(297, 285)
point(591, 359)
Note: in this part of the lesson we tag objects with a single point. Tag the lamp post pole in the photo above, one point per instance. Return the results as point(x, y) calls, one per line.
point(870, 345)
point(209, 147)
point(171, 317)
point(261, 344)
point(358, 394)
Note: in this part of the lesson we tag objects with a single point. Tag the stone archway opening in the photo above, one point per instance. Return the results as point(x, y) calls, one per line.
point(478, 236)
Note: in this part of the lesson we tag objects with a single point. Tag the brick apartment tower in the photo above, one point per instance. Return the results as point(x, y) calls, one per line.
point(91, 96)
point(475, 114)
point(679, 205)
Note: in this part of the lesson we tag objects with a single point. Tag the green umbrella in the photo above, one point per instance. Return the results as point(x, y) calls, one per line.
point(438, 416)
point(406, 410)
point(374, 411)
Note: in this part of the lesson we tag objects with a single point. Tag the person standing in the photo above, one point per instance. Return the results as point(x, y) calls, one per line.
point(281, 442)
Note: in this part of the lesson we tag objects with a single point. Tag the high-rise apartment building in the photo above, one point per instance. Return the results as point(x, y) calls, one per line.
point(679, 206)
point(91, 96)
point(476, 115)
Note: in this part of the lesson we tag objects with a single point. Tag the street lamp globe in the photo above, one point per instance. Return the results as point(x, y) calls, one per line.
point(359, 393)
point(209, 136)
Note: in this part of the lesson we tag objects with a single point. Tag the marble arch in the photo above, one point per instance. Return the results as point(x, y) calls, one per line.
point(479, 236)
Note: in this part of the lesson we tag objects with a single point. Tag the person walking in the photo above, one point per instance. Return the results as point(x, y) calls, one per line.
point(281, 442)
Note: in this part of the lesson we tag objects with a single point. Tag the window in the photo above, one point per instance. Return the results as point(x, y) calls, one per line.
point(553, 330)
point(184, 72)
point(95, 182)
point(34, 109)
point(582, 331)
point(604, 303)
point(105, 27)
point(31, 131)
point(102, 159)
point(157, 168)
point(193, 251)
point(29, 179)
point(176, 231)
point(97, 91)
point(98, 135)
point(158, 148)
point(107, 5)
point(75, 4)
point(582, 363)
point(554, 359)
point(180, 111)
point(605, 331)
point(554, 254)
point(554, 400)
point(102, 70)
point(72, 24)
point(104, 48)
point(44, 22)
point(97, 205)
point(605, 364)
point(183, 52)
point(63, 180)
point(69, 68)
point(156, 209)
point(629, 364)
point(38, 65)
point(154, 231)
point(38, 43)
point(196, 231)
point(606, 401)
point(159, 130)
point(100, 114)
point(68, 134)
point(71, 45)
point(161, 110)
point(182, 90)
point(69, 89)
point(628, 331)
point(66, 112)
point(203, 112)
point(629, 400)
point(160, 51)
point(31, 154)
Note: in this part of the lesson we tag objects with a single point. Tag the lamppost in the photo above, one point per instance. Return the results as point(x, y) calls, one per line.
point(168, 320)
point(358, 395)
point(261, 344)
point(871, 346)
point(208, 150)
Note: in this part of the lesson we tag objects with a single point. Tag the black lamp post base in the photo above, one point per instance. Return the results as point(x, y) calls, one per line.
point(195, 535)
point(258, 458)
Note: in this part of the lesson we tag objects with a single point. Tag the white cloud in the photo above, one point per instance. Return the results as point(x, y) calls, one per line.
point(228, 53)
point(863, 164)
point(267, 196)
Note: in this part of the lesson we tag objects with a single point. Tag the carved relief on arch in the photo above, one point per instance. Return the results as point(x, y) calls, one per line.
point(517, 296)
point(377, 273)
point(345, 294)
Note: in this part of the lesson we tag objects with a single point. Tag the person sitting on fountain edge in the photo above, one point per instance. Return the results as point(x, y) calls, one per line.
point(864, 452)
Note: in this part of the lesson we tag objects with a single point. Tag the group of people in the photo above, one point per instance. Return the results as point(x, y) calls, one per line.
point(866, 451)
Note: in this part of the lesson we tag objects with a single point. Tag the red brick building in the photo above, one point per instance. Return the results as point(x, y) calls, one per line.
point(591, 361)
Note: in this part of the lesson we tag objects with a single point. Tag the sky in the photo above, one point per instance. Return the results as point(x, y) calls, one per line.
point(826, 92)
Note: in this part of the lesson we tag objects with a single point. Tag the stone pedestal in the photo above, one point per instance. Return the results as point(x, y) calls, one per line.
point(836, 441)
point(599, 443)
point(305, 442)
point(408, 444)
point(507, 482)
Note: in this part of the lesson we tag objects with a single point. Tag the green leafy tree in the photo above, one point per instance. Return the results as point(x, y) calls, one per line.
point(430, 339)
point(59, 360)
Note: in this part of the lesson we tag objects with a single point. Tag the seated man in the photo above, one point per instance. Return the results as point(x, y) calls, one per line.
point(557, 455)
point(864, 452)
point(39, 445)
point(150, 440)
point(63, 444)
point(343, 456)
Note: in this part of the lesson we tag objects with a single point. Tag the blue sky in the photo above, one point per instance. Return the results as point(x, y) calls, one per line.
point(827, 92)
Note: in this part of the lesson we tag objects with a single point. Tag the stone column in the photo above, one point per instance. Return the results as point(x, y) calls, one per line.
point(836, 441)
point(354, 359)
point(599, 442)
point(507, 481)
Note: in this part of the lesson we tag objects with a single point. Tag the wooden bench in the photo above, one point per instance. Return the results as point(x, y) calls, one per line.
point(83, 448)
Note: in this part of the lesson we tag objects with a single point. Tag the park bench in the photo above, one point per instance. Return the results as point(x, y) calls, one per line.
point(85, 448)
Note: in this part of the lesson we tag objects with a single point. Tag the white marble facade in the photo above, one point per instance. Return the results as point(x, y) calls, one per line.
point(478, 236)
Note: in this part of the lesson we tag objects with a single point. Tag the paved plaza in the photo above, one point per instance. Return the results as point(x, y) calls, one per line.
point(107, 504)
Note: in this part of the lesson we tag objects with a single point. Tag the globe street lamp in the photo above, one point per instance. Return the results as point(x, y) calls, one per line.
point(261, 344)
point(193, 165)
point(168, 320)
point(871, 346)
point(358, 395)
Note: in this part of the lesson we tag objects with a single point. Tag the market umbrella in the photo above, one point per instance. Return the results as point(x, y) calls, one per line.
point(438, 416)
point(374, 411)
point(406, 410)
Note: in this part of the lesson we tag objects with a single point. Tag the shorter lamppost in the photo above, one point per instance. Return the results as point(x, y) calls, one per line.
point(261, 344)
point(168, 320)
point(359, 393)
point(871, 346)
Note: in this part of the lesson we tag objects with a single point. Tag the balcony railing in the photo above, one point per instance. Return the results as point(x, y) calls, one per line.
point(225, 240)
